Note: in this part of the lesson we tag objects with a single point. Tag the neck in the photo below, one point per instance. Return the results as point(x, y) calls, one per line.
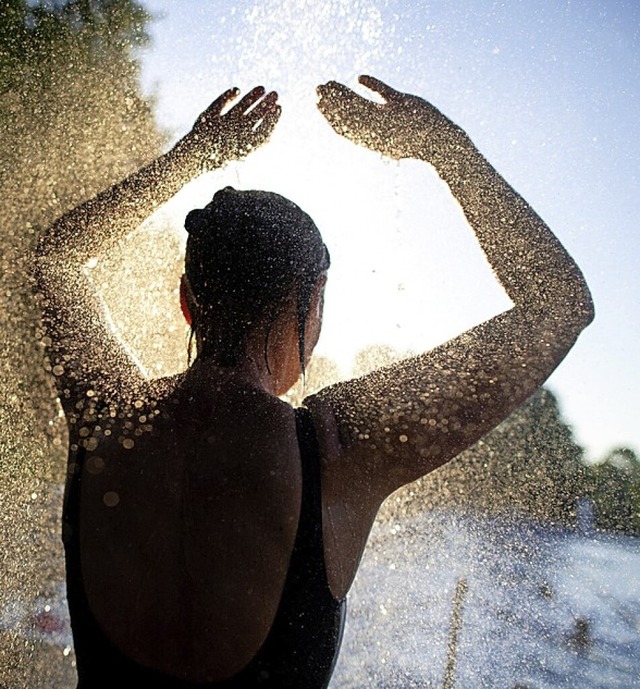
point(252, 370)
point(275, 342)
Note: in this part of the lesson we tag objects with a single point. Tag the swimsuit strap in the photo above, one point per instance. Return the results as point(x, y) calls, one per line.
point(307, 557)
point(302, 646)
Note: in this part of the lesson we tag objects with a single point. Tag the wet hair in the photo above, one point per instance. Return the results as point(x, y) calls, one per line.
point(247, 253)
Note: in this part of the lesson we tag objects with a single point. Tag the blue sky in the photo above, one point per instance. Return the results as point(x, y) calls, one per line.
point(548, 91)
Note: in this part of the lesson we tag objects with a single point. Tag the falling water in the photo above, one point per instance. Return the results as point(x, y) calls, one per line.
point(68, 134)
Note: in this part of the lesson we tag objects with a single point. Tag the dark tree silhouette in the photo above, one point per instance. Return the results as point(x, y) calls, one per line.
point(72, 121)
point(614, 487)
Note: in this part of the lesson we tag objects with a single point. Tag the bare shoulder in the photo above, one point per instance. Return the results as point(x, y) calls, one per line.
point(350, 500)
point(348, 455)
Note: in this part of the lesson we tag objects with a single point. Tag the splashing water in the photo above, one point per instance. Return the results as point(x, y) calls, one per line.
point(61, 152)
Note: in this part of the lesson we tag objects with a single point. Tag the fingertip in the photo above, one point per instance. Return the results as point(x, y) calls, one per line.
point(370, 82)
point(230, 94)
point(274, 111)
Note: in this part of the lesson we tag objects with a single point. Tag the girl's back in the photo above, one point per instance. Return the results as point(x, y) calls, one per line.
point(204, 568)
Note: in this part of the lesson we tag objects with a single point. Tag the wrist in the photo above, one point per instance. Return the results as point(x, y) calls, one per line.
point(184, 157)
point(442, 142)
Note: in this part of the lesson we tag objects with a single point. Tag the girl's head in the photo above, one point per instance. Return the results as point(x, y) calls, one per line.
point(248, 254)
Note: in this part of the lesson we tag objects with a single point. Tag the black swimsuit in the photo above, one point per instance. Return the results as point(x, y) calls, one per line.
point(302, 646)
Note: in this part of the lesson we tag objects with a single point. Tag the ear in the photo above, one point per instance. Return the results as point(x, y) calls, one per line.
point(184, 300)
point(317, 296)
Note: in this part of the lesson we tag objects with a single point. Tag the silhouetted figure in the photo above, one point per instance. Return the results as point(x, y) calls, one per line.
point(211, 530)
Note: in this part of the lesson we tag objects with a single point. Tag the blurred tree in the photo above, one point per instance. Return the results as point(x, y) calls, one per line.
point(614, 487)
point(529, 464)
point(72, 121)
point(374, 357)
point(72, 116)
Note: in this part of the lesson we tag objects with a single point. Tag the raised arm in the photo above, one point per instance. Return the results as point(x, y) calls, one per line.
point(399, 423)
point(84, 352)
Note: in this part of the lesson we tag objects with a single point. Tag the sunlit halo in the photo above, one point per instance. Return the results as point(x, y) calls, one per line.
point(396, 278)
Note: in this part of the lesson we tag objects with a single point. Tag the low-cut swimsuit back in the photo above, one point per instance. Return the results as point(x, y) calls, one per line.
point(302, 645)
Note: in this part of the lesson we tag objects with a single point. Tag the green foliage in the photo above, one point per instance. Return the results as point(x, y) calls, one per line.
point(71, 114)
point(614, 487)
point(31, 33)
point(72, 121)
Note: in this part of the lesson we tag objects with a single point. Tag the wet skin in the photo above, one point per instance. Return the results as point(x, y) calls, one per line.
point(189, 517)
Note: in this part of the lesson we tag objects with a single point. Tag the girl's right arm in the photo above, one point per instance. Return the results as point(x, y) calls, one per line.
point(86, 356)
point(401, 422)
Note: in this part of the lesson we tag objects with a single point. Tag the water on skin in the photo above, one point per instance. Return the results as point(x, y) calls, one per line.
point(35, 647)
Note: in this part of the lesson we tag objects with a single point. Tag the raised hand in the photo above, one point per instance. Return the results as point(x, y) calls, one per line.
point(404, 126)
point(217, 138)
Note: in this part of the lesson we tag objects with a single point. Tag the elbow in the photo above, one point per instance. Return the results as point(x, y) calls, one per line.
point(569, 312)
point(42, 267)
point(577, 302)
point(588, 309)
point(582, 305)
point(39, 270)
point(43, 247)
point(41, 250)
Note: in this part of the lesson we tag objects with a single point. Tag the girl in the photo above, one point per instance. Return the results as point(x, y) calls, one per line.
point(211, 530)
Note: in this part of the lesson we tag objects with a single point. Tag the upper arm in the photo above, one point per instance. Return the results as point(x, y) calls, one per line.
point(401, 422)
point(86, 357)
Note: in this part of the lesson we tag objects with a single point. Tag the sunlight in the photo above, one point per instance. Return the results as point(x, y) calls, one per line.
point(406, 271)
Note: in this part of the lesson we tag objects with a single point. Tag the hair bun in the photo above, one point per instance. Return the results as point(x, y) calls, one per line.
point(197, 222)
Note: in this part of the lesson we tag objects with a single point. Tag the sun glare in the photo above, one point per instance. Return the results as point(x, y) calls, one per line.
point(390, 227)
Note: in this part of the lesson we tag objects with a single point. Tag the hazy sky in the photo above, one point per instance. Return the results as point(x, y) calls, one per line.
point(548, 91)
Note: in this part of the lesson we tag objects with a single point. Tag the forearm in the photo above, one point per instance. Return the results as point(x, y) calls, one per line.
point(535, 270)
point(531, 264)
point(216, 137)
point(100, 222)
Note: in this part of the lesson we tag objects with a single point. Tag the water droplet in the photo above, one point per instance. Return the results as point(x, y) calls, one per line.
point(111, 498)
point(91, 444)
point(95, 465)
